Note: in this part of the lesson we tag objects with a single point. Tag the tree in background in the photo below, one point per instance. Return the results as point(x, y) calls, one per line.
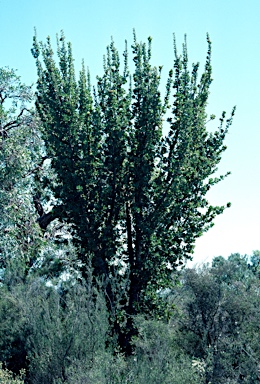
point(218, 320)
point(22, 173)
point(135, 196)
point(19, 155)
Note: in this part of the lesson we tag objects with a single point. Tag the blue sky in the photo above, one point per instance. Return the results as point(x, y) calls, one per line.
point(234, 29)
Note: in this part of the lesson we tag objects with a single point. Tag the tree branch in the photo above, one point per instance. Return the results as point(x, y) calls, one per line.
point(15, 123)
point(45, 218)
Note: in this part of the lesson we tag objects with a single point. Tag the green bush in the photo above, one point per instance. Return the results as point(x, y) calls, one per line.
point(7, 377)
point(156, 360)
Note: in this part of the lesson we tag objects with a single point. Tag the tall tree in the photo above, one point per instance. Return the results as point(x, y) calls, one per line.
point(135, 196)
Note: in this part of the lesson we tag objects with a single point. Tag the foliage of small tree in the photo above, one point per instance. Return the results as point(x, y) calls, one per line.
point(219, 317)
point(13, 331)
point(135, 196)
point(19, 154)
point(46, 329)
point(67, 326)
point(7, 377)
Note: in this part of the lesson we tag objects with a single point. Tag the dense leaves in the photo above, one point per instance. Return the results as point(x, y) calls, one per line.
point(135, 196)
point(59, 333)
point(219, 318)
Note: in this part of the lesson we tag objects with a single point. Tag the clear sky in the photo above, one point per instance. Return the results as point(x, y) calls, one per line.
point(234, 29)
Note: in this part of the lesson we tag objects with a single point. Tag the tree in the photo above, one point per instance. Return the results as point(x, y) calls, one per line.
point(19, 155)
point(218, 321)
point(22, 172)
point(135, 196)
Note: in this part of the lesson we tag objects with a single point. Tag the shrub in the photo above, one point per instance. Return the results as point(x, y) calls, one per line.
point(7, 377)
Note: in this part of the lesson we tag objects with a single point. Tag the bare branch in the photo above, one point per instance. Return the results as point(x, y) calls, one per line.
point(15, 123)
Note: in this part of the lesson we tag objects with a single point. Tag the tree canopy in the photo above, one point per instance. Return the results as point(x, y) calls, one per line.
point(136, 196)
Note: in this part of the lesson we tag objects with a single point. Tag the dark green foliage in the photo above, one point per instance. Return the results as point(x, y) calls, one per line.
point(156, 359)
point(219, 319)
point(13, 331)
point(135, 197)
point(47, 329)
point(66, 326)
point(60, 333)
